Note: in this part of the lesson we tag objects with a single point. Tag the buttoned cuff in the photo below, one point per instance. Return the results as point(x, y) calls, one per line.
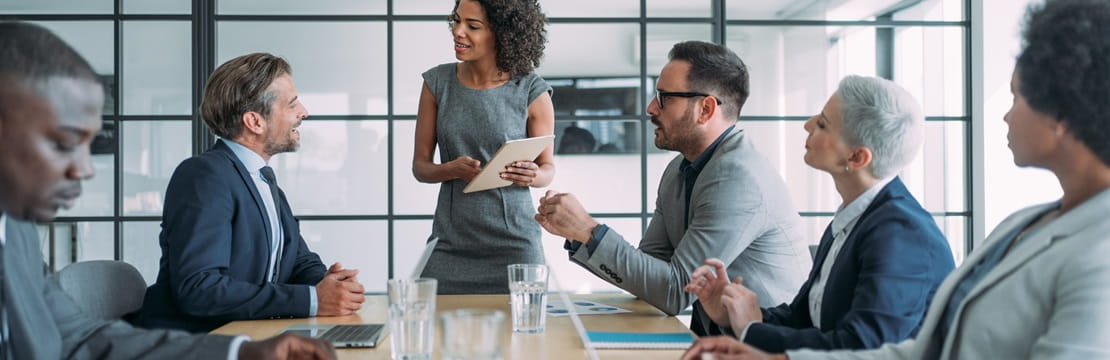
point(596, 235)
point(236, 343)
point(313, 302)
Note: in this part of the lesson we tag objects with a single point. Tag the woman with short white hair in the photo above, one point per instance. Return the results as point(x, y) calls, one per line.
point(879, 261)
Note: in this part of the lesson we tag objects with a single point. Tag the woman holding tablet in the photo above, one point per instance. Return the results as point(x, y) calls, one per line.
point(469, 109)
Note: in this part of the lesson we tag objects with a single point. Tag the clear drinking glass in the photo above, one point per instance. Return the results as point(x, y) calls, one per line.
point(472, 334)
point(528, 290)
point(412, 309)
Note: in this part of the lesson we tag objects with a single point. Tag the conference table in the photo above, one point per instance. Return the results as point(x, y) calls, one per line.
point(558, 341)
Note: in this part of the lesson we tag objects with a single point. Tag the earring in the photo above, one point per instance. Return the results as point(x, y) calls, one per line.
point(846, 169)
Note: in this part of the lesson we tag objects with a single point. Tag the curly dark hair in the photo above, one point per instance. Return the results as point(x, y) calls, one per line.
point(1064, 67)
point(518, 30)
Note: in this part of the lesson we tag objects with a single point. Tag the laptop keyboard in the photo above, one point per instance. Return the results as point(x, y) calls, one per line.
point(351, 333)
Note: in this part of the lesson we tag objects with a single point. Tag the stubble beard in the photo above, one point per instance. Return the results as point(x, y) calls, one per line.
point(681, 136)
point(274, 146)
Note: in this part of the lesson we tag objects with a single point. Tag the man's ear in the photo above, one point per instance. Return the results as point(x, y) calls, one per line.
point(253, 122)
point(708, 107)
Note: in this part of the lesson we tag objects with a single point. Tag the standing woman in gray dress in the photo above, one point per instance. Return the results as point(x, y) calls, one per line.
point(469, 109)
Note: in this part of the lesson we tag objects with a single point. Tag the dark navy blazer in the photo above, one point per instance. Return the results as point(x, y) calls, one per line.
point(215, 244)
point(878, 289)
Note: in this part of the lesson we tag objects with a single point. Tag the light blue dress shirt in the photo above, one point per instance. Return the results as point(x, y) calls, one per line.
point(254, 163)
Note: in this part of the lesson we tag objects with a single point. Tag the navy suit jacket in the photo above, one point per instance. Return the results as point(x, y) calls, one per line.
point(878, 289)
point(215, 244)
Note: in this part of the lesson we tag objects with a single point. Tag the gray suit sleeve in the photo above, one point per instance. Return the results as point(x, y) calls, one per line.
point(724, 220)
point(85, 338)
point(897, 351)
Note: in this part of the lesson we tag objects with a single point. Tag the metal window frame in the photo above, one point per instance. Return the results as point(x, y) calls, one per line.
point(204, 20)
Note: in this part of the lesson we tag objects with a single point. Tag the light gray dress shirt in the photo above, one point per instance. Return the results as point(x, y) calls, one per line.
point(842, 224)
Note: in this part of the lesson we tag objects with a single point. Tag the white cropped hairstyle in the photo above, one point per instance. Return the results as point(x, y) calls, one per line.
point(881, 116)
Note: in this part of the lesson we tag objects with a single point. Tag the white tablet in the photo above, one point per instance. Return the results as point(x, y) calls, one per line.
point(513, 150)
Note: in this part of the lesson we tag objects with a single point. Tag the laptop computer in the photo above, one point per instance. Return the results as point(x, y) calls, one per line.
point(423, 260)
point(341, 336)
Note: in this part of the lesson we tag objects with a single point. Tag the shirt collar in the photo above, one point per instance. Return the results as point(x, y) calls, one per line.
point(702, 159)
point(4, 229)
point(850, 212)
point(250, 159)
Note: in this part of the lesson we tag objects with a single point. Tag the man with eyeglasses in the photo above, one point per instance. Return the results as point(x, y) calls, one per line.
point(718, 198)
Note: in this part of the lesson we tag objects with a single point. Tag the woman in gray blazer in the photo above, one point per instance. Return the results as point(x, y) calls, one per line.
point(1039, 286)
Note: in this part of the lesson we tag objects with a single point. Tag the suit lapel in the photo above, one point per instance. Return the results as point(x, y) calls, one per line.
point(944, 292)
point(1031, 247)
point(822, 252)
point(245, 176)
point(1090, 212)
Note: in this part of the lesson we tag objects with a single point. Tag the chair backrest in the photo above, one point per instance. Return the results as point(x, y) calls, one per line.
point(104, 289)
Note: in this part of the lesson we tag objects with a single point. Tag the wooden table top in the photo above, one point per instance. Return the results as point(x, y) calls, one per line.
point(559, 340)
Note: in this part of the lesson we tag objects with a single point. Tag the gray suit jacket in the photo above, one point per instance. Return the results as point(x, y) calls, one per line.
point(44, 323)
point(1049, 298)
point(740, 212)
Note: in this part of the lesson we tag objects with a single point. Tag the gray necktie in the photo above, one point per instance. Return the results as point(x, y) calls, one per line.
point(271, 179)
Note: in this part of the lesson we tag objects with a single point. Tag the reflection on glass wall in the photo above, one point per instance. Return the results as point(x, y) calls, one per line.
point(602, 137)
point(595, 97)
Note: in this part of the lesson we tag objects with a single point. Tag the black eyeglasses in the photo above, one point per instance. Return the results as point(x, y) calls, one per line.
point(661, 96)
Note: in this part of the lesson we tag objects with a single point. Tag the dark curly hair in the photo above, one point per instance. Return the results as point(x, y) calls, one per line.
point(518, 30)
point(1064, 67)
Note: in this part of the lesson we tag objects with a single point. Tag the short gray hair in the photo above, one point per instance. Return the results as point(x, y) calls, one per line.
point(881, 116)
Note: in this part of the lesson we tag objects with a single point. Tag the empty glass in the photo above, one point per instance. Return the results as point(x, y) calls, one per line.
point(412, 309)
point(472, 334)
point(528, 291)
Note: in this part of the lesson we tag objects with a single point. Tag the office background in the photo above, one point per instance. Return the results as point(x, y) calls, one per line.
point(357, 65)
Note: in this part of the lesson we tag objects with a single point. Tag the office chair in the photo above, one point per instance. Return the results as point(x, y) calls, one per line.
point(104, 289)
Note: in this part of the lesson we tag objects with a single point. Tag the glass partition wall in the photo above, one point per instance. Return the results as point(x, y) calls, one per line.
point(357, 67)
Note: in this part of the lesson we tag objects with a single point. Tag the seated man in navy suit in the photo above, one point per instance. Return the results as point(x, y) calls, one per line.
point(880, 260)
point(231, 248)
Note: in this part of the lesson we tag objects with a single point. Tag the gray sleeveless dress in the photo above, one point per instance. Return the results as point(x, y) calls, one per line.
point(481, 232)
